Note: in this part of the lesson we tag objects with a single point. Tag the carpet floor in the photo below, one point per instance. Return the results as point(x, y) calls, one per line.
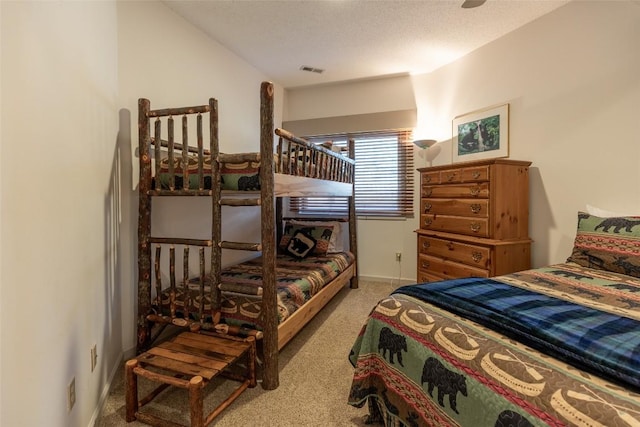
point(315, 376)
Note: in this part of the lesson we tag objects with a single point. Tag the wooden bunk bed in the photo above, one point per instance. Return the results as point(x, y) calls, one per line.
point(295, 168)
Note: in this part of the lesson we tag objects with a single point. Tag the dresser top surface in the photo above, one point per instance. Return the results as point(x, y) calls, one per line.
point(503, 161)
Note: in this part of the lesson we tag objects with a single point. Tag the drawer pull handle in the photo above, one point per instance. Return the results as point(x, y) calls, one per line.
point(450, 246)
point(476, 208)
point(451, 176)
point(475, 227)
point(427, 192)
point(475, 191)
point(425, 264)
point(427, 207)
point(427, 222)
point(427, 178)
point(426, 245)
point(476, 256)
point(476, 175)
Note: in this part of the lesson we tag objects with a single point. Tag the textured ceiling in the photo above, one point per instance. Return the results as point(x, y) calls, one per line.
point(354, 39)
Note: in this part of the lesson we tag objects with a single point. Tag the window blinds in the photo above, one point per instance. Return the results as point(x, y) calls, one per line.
point(384, 177)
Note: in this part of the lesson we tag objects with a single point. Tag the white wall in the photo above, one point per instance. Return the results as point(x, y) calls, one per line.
point(1, 223)
point(71, 76)
point(59, 208)
point(342, 99)
point(571, 79)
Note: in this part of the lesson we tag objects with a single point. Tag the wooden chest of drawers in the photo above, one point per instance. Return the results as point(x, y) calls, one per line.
point(474, 220)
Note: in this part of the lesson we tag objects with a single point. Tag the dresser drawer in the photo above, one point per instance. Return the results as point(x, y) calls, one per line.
point(425, 277)
point(475, 174)
point(469, 174)
point(430, 177)
point(456, 207)
point(454, 191)
point(448, 269)
point(478, 227)
point(473, 255)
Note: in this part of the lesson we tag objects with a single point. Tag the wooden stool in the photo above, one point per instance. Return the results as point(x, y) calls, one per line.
point(190, 361)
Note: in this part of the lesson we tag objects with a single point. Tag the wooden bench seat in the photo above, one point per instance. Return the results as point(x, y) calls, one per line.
point(190, 361)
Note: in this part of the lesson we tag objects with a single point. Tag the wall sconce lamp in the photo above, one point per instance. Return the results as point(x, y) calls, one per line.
point(424, 143)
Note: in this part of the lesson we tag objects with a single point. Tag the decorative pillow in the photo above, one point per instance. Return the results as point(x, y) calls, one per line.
point(610, 244)
point(301, 156)
point(337, 242)
point(300, 245)
point(244, 176)
point(320, 233)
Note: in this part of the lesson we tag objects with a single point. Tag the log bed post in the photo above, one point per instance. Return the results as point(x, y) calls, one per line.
point(269, 307)
point(279, 219)
point(353, 236)
point(216, 214)
point(144, 226)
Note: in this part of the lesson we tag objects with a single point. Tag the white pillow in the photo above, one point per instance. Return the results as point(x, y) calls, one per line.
point(339, 238)
point(603, 213)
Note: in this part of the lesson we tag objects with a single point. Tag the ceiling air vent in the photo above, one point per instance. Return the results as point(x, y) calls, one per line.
point(312, 69)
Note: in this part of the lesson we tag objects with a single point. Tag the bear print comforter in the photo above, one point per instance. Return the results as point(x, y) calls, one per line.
point(553, 346)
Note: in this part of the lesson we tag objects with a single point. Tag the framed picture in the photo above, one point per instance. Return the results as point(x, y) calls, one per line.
point(482, 134)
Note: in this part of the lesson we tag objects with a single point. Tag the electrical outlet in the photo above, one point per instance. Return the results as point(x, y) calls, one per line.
point(94, 357)
point(398, 256)
point(71, 394)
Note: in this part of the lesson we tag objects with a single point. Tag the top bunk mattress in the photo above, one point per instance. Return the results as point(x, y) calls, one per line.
point(294, 180)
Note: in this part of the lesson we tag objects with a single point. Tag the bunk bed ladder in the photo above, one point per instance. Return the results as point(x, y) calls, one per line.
point(189, 360)
point(266, 200)
point(150, 149)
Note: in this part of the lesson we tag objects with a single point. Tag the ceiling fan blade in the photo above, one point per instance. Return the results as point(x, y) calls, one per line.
point(469, 4)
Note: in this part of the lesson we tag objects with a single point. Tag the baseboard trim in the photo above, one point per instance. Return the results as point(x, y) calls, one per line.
point(105, 392)
point(392, 280)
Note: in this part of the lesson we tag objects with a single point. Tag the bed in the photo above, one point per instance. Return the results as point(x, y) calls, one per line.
point(181, 280)
point(551, 346)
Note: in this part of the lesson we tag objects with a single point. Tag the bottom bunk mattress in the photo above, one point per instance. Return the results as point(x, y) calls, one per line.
point(553, 346)
point(297, 281)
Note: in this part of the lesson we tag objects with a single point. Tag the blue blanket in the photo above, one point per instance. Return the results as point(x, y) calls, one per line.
point(584, 337)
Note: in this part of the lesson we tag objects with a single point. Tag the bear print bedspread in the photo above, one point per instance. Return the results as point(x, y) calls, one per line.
point(420, 363)
point(297, 281)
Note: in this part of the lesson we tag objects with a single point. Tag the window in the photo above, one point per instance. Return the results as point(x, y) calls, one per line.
point(383, 177)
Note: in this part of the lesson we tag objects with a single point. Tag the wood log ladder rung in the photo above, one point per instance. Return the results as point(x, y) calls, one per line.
point(181, 241)
point(256, 201)
point(179, 192)
point(238, 157)
point(241, 246)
